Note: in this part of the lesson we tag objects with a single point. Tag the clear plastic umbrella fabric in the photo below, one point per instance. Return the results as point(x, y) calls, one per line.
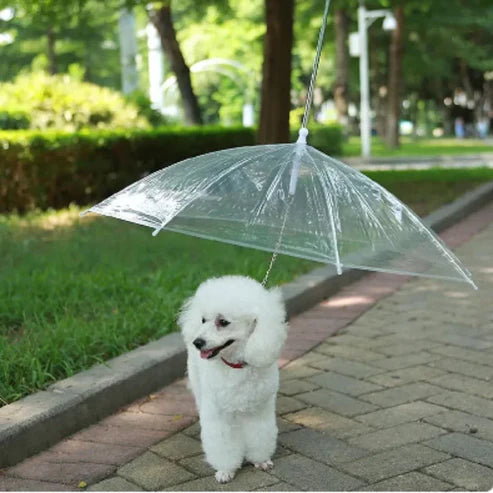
point(289, 198)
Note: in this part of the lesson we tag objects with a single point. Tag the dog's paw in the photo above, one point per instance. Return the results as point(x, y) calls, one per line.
point(224, 476)
point(265, 466)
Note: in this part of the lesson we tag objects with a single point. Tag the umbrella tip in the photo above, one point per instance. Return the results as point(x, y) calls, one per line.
point(302, 135)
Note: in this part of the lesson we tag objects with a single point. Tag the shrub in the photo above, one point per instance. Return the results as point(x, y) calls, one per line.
point(326, 138)
point(65, 103)
point(54, 169)
point(144, 105)
point(13, 120)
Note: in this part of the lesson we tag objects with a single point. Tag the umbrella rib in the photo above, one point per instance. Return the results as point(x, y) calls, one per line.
point(213, 182)
point(332, 224)
point(259, 206)
point(437, 242)
point(368, 209)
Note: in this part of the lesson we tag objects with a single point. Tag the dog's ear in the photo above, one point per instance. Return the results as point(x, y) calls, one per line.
point(187, 318)
point(264, 346)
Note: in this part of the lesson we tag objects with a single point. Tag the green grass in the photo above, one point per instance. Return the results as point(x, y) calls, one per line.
point(418, 147)
point(426, 190)
point(74, 292)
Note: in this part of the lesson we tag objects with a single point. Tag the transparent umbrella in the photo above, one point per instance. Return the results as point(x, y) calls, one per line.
point(290, 199)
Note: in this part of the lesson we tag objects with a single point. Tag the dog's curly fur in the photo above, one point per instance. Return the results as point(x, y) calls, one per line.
point(236, 405)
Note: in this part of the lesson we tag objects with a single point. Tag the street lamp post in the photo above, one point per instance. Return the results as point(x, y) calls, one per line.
point(365, 19)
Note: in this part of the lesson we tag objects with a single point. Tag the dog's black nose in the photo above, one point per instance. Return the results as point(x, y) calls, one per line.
point(199, 343)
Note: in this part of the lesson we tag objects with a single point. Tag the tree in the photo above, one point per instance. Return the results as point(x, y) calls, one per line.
point(162, 19)
point(85, 36)
point(49, 15)
point(276, 72)
point(395, 81)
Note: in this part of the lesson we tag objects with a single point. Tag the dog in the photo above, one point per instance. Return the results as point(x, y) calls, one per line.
point(234, 330)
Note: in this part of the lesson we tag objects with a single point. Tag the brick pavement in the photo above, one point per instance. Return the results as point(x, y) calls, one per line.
point(399, 399)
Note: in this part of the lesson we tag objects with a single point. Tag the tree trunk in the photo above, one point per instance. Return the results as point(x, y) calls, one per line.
point(395, 81)
point(163, 22)
point(276, 76)
point(50, 51)
point(342, 66)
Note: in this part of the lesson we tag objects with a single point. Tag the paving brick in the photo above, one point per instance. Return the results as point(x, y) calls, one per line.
point(72, 450)
point(480, 357)
point(411, 481)
point(403, 413)
point(61, 472)
point(309, 358)
point(393, 462)
point(462, 473)
point(402, 394)
point(391, 339)
point(114, 484)
point(456, 381)
point(281, 486)
point(465, 446)
point(171, 405)
point(464, 402)
point(349, 352)
point(149, 421)
point(197, 465)
point(288, 404)
point(320, 446)
point(245, 480)
point(320, 419)
point(402, 349)
point(406, 375)
point(295, 386)
point(307, 474)
point(348, 367)
point(405, 361)
point(463, 422)
point(153, 472)
point(19, 484)
point(344, 338)
point(336, 402)
point(343, 383)
point(178, 447)
point(465, 341)
point(120, 435)
point(301, 371)
point(284, 426)
point(193, 430)
point(464, 367)
point(396, 436)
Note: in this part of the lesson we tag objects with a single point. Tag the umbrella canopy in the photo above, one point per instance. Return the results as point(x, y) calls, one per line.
point(291, 199)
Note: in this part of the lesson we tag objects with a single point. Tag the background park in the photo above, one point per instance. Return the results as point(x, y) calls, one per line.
point(385, 380)
point(94, 95)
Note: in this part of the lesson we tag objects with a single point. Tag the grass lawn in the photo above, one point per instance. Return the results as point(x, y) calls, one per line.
point(74, 292)
point(418, 147)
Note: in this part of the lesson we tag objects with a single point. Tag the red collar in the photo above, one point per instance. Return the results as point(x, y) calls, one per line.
point(233, 365)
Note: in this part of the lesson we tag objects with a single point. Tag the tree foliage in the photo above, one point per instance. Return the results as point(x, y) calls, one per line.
point(447, 48)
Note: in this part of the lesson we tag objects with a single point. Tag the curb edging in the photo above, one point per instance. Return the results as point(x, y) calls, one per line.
point(40, 420)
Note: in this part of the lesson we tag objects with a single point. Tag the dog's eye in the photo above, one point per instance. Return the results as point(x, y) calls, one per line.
point(203, 320)
point(223, 323)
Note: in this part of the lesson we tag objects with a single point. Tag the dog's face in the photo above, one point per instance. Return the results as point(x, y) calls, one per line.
point(236, 317)
point(217, 332)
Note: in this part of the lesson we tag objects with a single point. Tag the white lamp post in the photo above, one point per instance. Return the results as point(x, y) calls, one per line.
point(365, 20)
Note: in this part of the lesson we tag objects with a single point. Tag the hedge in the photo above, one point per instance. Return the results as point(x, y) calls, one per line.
point(54, 169)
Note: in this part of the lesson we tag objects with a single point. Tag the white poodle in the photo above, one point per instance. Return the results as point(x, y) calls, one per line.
point(234, 330)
